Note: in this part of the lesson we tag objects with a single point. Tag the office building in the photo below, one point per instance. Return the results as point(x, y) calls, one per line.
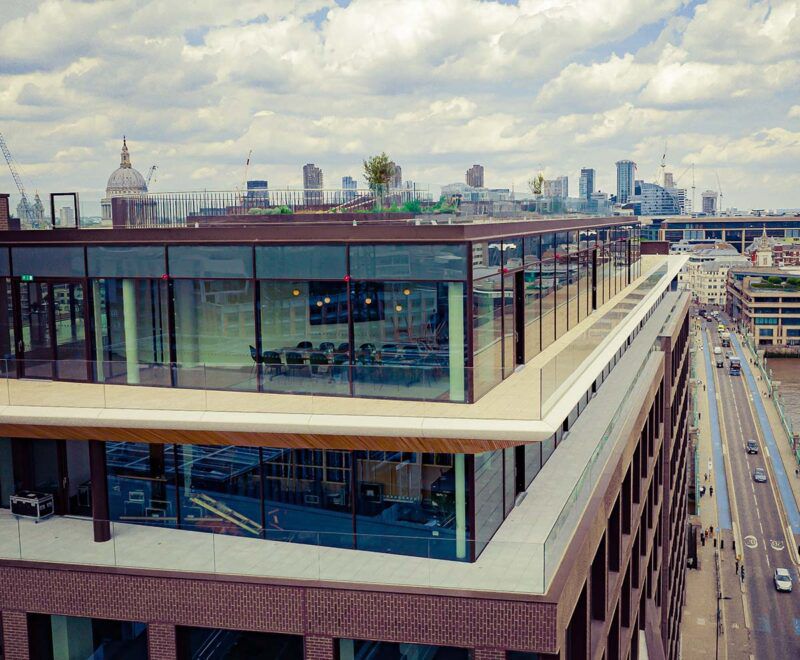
point(349, 188)
point(626, 176)
point(669, 180)
point(587, 183)
point(709, 198)
point(705, 274)
point(396, 180)
point(313, 440)
point(739, 231)
point(474, 176)
point(312, 180)
point(766, 302)
point(556, 188)
point(257, 193)
point(652, 199)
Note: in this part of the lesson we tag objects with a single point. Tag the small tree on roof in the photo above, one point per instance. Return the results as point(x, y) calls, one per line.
point(378, 171)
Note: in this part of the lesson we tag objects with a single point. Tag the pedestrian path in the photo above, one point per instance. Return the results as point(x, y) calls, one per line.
point(720, 481)
point(781, 478)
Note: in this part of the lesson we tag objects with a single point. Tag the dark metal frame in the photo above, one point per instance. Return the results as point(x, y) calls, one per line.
point(75, 205)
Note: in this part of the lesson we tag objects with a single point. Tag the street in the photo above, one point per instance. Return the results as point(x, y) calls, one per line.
point(758, 514)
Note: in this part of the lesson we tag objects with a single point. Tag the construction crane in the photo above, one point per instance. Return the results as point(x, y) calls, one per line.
point(719, 190)
point(25, 205)
point(150, 173)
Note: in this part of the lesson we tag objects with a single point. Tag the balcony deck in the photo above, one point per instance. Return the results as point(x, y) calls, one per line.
point(525, 407)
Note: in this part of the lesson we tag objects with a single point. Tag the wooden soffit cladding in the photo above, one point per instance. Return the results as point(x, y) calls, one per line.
point(249, 439)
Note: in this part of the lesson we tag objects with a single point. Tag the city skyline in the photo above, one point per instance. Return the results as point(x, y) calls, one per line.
point(190, 90)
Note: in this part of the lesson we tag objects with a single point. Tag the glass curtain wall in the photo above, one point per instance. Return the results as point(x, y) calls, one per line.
point(214, 302)
point(573, 278)
point(412, 504)
point(56, 637)
point(533, 296)
point(222, 644)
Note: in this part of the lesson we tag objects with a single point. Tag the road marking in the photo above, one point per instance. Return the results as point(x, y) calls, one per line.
point(758, 513)
point(763, 624)
point(777, 545)
point(797, 626)
point(751, 541)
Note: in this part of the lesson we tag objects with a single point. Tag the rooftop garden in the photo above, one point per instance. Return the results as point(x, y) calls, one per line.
point(777, 283)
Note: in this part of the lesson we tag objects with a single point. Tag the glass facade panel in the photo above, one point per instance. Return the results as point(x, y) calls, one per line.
point(211, 261)
point(533, 311)
point(8, 360)
point(37, 337)
point(70, 327)
point(304, 336)
point(487, 318)
point(509, 327)
point(419, 262)
point(127, 261)
point(412, 504)
point(141, 483)
point(361, 649)
point(57, 637)
point(509, 481)
point(219, 489)
point(220, 644)
point(548, 302)
point(5, 262)
point(512, 252)
point(301, 262)
point(486, 258)
point(307, 496)
point(409, 339)
point(214, 330)
point(533, 461)
point(488, 496)
point(48, 261)
point(131, 331)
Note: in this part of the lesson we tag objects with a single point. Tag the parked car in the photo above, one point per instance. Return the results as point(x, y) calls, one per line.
point(751, 446)
point(782, 579)
point(760, 475)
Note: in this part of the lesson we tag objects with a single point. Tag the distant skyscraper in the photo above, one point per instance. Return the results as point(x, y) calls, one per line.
point(397, 178)
point(558, 187)
point(475, 176)
point(312, 177)
point(258, 193)
point(669, 180)
point(626, 175)
point(312, 180)
point(586, 185)
point(709, 202)
point(349, 187)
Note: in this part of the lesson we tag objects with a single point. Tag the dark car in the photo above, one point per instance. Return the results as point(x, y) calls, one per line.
point(751, 446)
point(760, 475)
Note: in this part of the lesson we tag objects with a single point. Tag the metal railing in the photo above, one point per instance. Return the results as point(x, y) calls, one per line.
point(182, 209)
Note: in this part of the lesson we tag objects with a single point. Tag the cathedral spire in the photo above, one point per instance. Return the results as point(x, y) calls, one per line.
point(125, 160)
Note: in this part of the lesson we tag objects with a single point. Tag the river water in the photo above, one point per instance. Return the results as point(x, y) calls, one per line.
point(787, 371)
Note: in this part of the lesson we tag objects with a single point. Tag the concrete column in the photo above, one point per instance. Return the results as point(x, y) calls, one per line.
point(161, 641)
point(72, 637)
point(100, 514)
point(461, 506)
point(322, 648)
point(131, 330)
point(15, 635)
point(455, 324)
point(97, 312)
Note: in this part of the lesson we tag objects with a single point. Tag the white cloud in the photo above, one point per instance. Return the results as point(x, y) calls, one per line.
point(550, 84)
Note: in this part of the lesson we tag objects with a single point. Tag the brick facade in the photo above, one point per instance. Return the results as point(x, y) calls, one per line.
point(161, 641)
point(316, 612)
point(15, 634)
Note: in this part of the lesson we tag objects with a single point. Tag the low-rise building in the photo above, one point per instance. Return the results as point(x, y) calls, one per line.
point(766, 302)
point(705, 273)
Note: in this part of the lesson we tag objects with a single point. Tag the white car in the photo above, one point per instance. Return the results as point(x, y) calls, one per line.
point(783, 580)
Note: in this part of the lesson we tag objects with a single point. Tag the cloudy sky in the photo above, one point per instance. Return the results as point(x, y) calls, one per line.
point(550, 85)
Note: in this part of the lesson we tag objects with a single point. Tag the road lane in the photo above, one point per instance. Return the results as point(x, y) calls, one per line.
point(759, 518)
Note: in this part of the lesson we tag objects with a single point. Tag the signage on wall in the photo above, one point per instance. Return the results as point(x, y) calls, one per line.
point(26, 278)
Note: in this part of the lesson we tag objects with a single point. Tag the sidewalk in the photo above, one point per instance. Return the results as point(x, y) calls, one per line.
point(700, 610)
point(781, 437)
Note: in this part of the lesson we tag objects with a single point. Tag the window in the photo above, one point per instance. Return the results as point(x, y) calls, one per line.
point(127, 261)
point(360, 649)
point(52, 636)
point(487, 334)
point(48, 261)
point(488, 496)
point(302, 262)
point(221, 644)
point(423, 262)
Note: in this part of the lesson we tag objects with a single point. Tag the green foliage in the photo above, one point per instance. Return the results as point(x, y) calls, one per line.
point(278, 210)
point(394, 208)
point(413, 206)
point(442, 206)
point(774, 279)
point(378, 171)
point(793, 281)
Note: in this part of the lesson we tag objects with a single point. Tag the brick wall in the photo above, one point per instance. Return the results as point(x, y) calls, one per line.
point(4, 212)
point(15, 635)
point(318, 613)
point(319, 648)
point(161, 641)
point(489, 654)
